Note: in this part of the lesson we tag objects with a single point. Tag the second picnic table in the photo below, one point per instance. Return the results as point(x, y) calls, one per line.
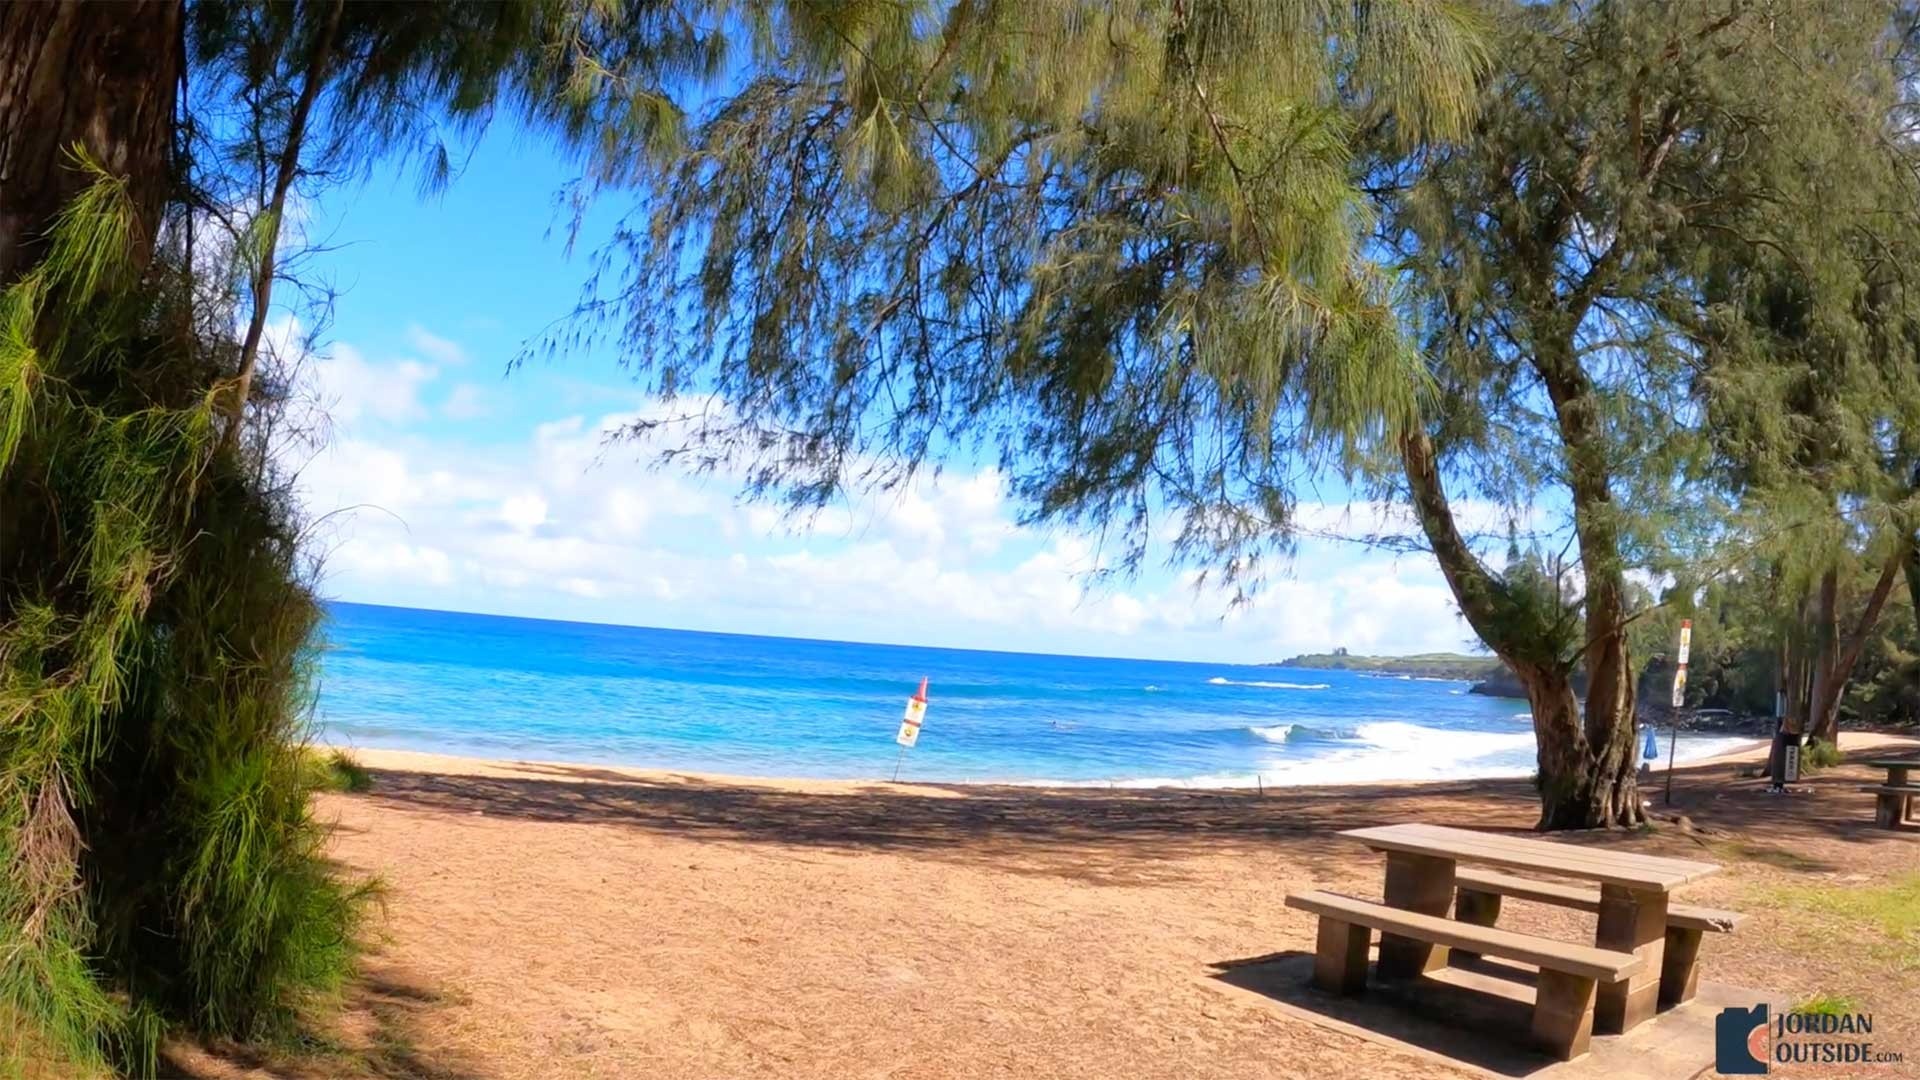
point(1634, 889)
point(1896, 796)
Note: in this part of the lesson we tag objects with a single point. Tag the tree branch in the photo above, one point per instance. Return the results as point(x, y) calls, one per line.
point(288, 166)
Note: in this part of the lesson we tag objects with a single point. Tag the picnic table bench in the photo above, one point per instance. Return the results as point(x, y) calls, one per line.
point(1608, 987)
point(1477, 900)
point(1569, 974)
point(1893, 800)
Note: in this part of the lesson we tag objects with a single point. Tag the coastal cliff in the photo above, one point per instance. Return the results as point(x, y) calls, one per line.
point(1489, 676)
point(1461, 666)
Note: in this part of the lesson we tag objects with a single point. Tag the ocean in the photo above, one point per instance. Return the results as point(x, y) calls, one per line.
point(490, 686)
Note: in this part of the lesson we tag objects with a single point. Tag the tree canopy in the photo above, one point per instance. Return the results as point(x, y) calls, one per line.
point(1174, 260)
point(1115, 244)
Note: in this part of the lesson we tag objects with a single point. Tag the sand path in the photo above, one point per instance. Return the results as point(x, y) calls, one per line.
point(564, 921)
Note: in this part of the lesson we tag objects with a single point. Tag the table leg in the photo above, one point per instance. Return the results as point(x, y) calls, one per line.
point(1563, 1014)
point(1635, 921)
point(1422, 883)
point(1897, 777)
point(1340, 957)
point(1476, 908)
point(1680, 967)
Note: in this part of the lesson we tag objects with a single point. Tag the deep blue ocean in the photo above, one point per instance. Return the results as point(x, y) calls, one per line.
point(488, 686)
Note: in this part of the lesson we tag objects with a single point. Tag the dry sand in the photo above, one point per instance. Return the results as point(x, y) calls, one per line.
point(564, 921)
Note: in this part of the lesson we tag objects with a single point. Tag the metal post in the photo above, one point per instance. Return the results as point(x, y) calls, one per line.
point(1673, 741)
point(1777, 757)
point(1679, 698)
point(896, 764)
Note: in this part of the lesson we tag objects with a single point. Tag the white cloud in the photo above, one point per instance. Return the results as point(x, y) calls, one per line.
point(561, 523)
point(435, 348)
point(387, 560)
point(524, 512)
point(467, 401)
point(348, 387)
point(353, 472)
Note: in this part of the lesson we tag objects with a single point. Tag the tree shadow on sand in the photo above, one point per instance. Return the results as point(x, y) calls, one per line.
point(1077, 833)
point(377, 1037)
point(1116, 835)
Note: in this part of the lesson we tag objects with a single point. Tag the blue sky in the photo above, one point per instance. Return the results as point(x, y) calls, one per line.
point(449, 483)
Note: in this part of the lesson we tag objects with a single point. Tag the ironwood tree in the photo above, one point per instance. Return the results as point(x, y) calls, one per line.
point(160, 868)
point(1167, 259)
point(1808, 333)
point(1573, 260)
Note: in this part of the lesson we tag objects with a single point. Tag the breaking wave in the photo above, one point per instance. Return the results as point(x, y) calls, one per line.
point(1218, 680)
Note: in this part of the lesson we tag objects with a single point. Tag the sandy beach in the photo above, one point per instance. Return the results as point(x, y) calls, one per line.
point(547, 920)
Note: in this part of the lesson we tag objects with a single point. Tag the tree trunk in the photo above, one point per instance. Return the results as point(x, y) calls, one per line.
point(1846, 654)
point(1610, 794)
point(1587, 777)
point(1913, 575)
point(98, 75)
point(1826, 641)
point(1585, 783)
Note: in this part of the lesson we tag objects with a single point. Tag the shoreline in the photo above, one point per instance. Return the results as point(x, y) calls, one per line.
point(449, 764)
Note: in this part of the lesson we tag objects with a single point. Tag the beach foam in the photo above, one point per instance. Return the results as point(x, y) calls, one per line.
point(1387, 751)
point(1297, 733)
point(1218, 680)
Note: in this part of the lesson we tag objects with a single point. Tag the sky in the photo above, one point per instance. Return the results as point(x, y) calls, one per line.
point(448, 481)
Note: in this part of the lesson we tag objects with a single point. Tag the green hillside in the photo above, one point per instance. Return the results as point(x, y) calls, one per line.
point(1431, 665)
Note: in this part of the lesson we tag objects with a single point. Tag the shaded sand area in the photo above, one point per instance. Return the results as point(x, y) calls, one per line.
point(567, 921)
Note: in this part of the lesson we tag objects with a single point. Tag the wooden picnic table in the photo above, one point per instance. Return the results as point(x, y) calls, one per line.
point(1634, 889)
point(1897, 794)
point(1899, 770)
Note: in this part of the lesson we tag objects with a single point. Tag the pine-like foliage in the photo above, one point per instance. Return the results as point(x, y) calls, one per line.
point(1057, 230)
point(1169, 258)
point(160, 855)
point(160, 867)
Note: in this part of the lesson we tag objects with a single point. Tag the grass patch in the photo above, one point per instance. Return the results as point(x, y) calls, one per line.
point(1890, 912)
point(336, 770)
point(1828, 1005)
point(25, 1054)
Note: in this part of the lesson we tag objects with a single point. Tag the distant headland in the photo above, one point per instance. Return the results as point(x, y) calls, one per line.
point(1462, 666)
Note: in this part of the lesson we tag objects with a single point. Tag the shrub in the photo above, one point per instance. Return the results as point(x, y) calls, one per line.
point(336, 770)
point(1820, 754)
point(159, 862)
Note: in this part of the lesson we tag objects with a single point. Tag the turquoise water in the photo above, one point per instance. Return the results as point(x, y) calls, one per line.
point(498, 687)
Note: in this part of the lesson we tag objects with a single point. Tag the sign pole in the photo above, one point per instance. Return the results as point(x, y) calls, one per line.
point(916, 714)
point(1673, 742)
point(1679, 699)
